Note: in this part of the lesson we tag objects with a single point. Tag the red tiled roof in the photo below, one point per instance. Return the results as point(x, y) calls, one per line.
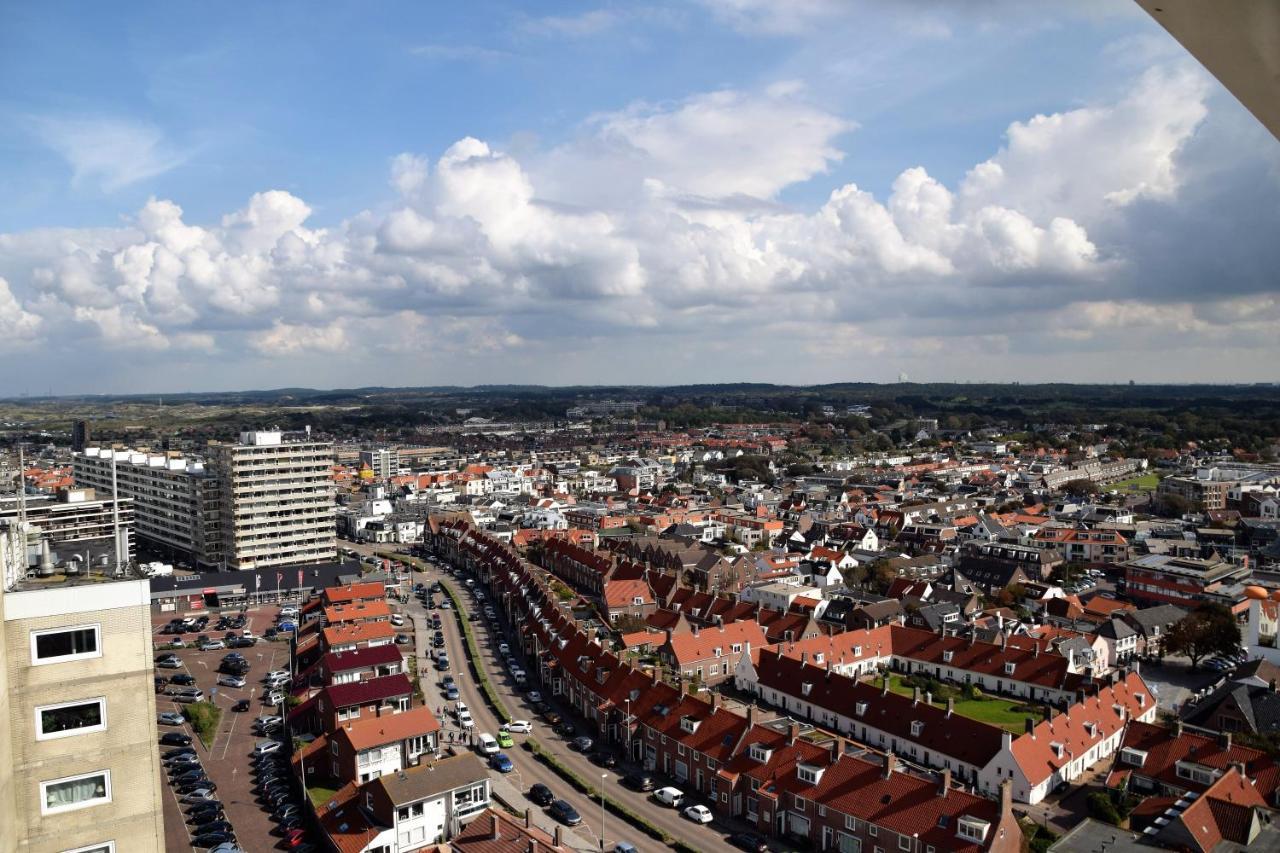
point(361, 611)
point(367, 733)
point(353, 592)
point(1164, 750)
point(363, 658)
point(368, 691)
point(687, 648)
point(621, 593)
point(358, 632)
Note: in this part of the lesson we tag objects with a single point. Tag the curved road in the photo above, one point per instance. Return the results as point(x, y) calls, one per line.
point(528, 769)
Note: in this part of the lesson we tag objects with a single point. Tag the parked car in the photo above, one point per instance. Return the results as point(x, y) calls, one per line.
point(541, 795)
point(199, 795)
point(231, 681)
point(187, 698)
point(552, 717)
point(170, 754)
point(582, 743)
point(487, 744)
point(170, 718)
point(241, 706)
point(642, 782)
point(519, 727)
point(501, 763)
point(169, 663)
point(625, 847)
point(750, 842)
point(211, 645)
point(604, 759)
point(566, 729)
point(266, 747)
point(183, 680)
point(175, 739)
point(565, 813)
point(402, 639)
point(698, 814)
point(669, 796)
point(397, 620)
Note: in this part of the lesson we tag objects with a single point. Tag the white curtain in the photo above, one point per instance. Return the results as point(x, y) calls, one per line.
point(75, 791)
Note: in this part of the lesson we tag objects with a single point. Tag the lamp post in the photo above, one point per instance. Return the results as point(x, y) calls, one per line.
point(603, 776)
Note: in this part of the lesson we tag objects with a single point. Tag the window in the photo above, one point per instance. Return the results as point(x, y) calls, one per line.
point(916, 728)
point(904, 842)
point(104, 847)
point(75, 792)
point(71, 718)
point(872, 830)
point(65, 644)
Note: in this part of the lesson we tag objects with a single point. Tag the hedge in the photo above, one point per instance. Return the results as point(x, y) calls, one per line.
point(473, 648)
point(593, 791)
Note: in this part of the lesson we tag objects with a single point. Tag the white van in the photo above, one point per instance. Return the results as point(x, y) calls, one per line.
point(488, 745)
point(669, 797)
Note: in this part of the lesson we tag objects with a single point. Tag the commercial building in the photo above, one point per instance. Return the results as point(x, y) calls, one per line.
point(382, 462)
point(1185, 581)
point(79, 766)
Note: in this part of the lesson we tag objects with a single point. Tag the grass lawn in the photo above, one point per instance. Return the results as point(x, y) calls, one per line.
point(1142, 483)
point(989, 709)
point(320, 795)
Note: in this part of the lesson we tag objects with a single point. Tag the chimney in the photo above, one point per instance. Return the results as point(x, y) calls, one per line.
point(793, 733)
point(838, 747)
point(951, 706)
point(1006, 798)
point(556, 837)
point(533, 845)
point(944, 783)
point(668, 636)
point(751, 716)
point(1224, 740)
point(528, 818)
point(915, 696)
point(1035, 649)
point(890, 764)
point(657, 671)
point(1030, 725)
point(684, 685)
point(885, 680)
point(804, 658)
point(1177, 728)
point(715, 700)
point(494, 833)
point(928, 698)
point(1272, 685)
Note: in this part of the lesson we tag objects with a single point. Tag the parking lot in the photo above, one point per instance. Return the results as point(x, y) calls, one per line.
point(227, 759)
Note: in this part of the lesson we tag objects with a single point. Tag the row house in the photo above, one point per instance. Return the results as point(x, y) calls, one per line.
point(365, 749)
point(1159, 761)
point(707, 747)
point(708, 655)
point(584, 569)
point(357, 612)
point(628, 598)
point(1052, 751)
point(357, 635)
point(339, 703)
point(1084, 545)
point(356, 665)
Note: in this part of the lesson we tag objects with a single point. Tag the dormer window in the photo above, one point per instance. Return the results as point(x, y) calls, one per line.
point(972, 829)
point(917, 726)
point(947, 656)
point(637, 601)
point(819, 657)
point(1091, 728)
point(718, 651)
point(806, 688)
point(689, 724)
point(808, 774)
point(1057, 748)
point(857, 651)
point(1134, 757)
point(757, 752)
point(1009, 667)
point(736, 648)
point(860, 709)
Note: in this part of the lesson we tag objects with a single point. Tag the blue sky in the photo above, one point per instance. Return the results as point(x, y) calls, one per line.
point(696, 184)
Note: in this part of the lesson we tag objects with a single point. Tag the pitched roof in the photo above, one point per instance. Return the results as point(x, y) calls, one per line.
point(430, 779)
point(362, 658)
point(1223, 812)
point(690, 647)
point(357, 611)
point(353, 592)
point(369, 732)
point(1165, 747)
point(368, 691)
point(358, 632)
point(622, 593)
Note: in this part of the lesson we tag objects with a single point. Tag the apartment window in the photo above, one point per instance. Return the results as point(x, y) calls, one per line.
point(65, 644)
point(904, 842)
point(75, 792)
point(71, 718)
point(104, 847)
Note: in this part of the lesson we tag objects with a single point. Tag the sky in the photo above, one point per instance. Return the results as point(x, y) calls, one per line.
point(217, 197)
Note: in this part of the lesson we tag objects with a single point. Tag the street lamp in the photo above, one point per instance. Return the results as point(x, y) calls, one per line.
point(603, 776)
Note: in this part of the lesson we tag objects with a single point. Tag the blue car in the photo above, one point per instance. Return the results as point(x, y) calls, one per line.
point(501, 763)
point(287, 626)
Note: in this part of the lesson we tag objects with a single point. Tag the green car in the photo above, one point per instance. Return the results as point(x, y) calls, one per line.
point(504, 740)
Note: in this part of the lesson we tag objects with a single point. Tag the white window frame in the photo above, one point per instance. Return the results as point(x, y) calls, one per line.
point(42, 735)
point(44, 787)
point(109, 846)
point(96, 653)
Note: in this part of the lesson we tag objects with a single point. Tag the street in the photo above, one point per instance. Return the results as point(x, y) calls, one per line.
point(528, 769)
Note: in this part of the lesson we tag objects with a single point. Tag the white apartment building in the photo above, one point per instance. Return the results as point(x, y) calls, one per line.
point(384, 462)
point(175, 500)
point(276, 499)
point(79, 762)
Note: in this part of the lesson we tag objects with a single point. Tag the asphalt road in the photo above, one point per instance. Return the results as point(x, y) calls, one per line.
point(528, 769)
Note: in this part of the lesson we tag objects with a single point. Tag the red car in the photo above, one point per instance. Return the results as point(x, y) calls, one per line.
point(295, 838)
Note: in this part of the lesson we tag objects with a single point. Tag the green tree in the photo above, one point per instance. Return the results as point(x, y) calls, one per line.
point(1209, 629)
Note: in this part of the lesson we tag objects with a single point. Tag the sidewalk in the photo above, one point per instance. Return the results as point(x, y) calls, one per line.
point(507, 794)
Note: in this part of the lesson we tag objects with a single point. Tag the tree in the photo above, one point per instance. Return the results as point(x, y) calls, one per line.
point(1207, 630)
point(1081, 487)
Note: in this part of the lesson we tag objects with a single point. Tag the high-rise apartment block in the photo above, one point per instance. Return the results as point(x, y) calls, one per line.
point(276, 500)
point(79, 762)
point(80, 435)
point(266, 500)
point(382, 462)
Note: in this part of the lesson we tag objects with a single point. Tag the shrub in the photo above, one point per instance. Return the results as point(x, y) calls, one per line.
point(1100, 806)
point(204, 718)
